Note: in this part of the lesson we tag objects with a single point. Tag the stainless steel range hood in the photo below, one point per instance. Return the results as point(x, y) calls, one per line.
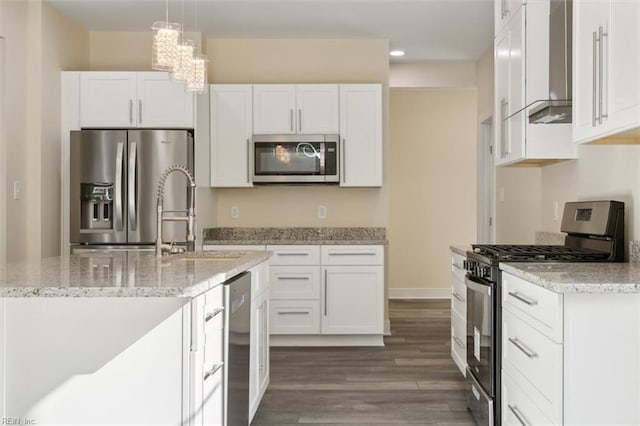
point(557, 108)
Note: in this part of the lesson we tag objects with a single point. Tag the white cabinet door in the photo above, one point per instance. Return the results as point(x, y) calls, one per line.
point(503, 12)
point(107, 99)
point(274, 108)
point(361, 133)
point(317, 108)
point(259, 336)
point(510, 89)
point(231, 130)
point(588, 16)
point(162, 102)
point(352, 300)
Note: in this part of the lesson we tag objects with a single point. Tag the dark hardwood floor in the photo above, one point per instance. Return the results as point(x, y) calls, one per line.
point(411, 380)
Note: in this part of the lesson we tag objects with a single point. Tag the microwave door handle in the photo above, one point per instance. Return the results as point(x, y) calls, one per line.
point(249, 160)
point(133, 195)
point(322, 159)
point(118, 195)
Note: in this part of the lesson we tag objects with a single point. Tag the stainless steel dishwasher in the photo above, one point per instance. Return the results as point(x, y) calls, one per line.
point(237, 297)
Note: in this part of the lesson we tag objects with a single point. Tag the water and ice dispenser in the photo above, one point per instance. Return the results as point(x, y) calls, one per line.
point(96, 206)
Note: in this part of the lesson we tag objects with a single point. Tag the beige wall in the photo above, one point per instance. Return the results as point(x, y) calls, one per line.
point(440, 74)
point(602, 172)
point(484, 78)
point(432, 183)
point(301, 61)
point(40, 43)
point(518, 212)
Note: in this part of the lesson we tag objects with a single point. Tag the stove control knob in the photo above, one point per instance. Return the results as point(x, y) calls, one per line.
point(486, 272)
point(465, 265)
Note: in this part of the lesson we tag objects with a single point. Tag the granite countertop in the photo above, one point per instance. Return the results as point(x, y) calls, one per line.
point(460, 249)
point(319, 235)
point(579, 277)
point(124, 274)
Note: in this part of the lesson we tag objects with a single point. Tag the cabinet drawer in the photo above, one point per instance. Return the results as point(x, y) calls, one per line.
point(542, 307)
point(295, 282)
point(518, 406)
point(457, 261)
point(536, 357)
point(295, 255)
point(294, 317)
point(458, 297)
point(352, 255)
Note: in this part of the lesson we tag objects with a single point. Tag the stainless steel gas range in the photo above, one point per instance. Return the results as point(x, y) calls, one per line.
point(595, 233)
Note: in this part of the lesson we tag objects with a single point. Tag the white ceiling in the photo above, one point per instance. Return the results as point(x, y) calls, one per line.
point(428, 30)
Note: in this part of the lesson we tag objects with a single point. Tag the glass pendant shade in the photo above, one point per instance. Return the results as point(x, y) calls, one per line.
point(198, 81)
point(183, 66)
point(164, 50)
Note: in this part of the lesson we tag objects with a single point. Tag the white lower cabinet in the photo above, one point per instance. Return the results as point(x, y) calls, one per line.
point(320, 291)
point(458, 313)
point(569, 358)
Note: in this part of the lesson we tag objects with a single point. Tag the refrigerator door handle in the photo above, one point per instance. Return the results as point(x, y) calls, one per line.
point(118, 195)
point(133, 196)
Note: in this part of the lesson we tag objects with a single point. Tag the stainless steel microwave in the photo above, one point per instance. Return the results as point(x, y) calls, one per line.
point(295, 158)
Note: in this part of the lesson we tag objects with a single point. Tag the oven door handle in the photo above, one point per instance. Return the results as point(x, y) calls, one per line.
point(477, 284)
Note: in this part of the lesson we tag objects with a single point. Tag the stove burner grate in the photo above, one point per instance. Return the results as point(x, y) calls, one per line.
point(539, 252)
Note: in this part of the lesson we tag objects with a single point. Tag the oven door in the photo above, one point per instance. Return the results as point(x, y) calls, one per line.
point(481, 332)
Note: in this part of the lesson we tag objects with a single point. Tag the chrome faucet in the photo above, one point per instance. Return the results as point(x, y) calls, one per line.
point(190, 212)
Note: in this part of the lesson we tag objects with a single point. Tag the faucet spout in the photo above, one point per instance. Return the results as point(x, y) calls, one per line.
point(190, 211)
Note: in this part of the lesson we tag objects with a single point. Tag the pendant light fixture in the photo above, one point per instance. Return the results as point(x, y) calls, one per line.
point(197, 81)
point(165, 43)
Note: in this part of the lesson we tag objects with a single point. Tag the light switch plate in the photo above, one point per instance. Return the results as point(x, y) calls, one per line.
point(17, 190)
point(322, 212)
point(235, 212)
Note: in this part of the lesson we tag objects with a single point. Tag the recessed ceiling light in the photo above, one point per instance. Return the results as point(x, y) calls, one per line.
point(397, 53)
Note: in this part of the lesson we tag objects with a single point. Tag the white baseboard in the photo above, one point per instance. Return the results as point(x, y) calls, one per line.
point(419, 293)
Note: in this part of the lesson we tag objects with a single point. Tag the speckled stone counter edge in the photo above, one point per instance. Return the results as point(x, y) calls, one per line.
point(634, 252)
point(294, 235)
point(460, 249)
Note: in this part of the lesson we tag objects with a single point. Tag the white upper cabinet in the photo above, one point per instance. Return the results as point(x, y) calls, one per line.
point(290, 108)
point(130, 99)
point(361, 135)
point(521, 64)
point(231, 130)
point(504, 10)
point(163, 102)
point(606, 70)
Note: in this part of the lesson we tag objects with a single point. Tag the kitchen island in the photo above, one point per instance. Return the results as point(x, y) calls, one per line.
point(570, 343)
point(114, 338)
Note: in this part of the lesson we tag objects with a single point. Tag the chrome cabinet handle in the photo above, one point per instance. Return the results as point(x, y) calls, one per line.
point(601, 36)
point(260, 343)
point(300, 120)
point(458, 342)
point(211, 315)
point(249, 162)
point(523, 299)
point(292, 254)
point(293, 313)
point(139, 111)
point(325, 292)
point(293, 278)
point(291, 119)
point(353, 254)
point(130, 111)
point(457, 296)
point(594, 96)
point(118, 195)
point(133, 193)
point(213, 370)
point(503, 128)
point(518, 415)
point(342, 154)
point(523, 348)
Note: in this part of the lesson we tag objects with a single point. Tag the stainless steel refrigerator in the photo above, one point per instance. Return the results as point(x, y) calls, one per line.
point(114, 180)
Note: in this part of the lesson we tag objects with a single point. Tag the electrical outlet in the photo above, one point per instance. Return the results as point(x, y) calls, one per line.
point(322, 212)
point(501, 194)
point(556, 211)
point(235, 212)
point(17, 190)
